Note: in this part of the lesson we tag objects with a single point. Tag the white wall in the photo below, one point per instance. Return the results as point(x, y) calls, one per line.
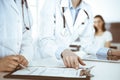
point(109, 9)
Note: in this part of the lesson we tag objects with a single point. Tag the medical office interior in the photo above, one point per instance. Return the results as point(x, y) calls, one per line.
point(108, 9)
point(102, 70)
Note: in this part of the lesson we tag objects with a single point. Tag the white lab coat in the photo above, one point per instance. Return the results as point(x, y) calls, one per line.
point(14, 38)
point(51, 42)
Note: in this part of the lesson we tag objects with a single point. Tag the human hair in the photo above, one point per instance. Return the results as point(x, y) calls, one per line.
point(103, 26)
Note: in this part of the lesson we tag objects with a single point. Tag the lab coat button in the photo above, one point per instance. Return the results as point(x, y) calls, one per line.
point(83, 23)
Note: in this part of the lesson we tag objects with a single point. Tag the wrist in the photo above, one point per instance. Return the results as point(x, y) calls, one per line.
point(65, 52)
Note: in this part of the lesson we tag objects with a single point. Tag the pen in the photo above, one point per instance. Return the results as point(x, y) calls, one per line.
point(88, 69)
point(22, 66)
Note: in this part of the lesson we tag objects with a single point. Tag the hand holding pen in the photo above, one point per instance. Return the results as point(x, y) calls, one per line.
point(9, 63)
point(22, 62)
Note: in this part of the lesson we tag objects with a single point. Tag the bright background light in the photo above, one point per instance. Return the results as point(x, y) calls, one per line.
point(109, 9)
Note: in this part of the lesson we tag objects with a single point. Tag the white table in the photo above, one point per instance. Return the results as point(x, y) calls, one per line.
point(105, 71)
point(101, 71)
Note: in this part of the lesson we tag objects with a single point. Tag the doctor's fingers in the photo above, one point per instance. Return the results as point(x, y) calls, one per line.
point(115, 52)
point(71, 61)
point(81, 61)
point(75, 61)
point(10, 65)
point(10, 60)
point(23, 60)
point(76, 64)
point(12, 57)
point(9, 69)
point(113, 58)
point(67, 61)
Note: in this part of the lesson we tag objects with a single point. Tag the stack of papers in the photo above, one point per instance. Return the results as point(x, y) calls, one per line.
point(50, 71)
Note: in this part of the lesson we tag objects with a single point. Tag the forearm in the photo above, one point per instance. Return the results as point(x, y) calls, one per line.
point(114, 52)
point(0, 65)
point(107, 44)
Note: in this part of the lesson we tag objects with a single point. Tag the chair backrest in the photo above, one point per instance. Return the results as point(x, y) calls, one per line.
point(115, 30)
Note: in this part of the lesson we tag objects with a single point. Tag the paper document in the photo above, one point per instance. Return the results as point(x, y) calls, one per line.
point(47, 71)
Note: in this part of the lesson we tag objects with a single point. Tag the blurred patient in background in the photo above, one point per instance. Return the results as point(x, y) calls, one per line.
point(103, 37)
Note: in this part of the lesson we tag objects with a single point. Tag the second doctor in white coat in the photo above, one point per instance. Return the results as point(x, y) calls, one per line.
point(15, 34)
point(58, 34)
point(64, 22)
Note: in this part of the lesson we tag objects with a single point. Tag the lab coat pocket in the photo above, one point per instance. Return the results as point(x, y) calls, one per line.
point(79, 30)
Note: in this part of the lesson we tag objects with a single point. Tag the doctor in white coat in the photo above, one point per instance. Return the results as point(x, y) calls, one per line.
point(64, 22)
point(15, 34)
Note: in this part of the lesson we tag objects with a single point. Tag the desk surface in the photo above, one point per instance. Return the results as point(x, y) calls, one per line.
point(101, 71)
point(105, 71)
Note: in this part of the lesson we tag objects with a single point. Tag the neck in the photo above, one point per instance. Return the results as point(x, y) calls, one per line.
point(99, 31)
point(75, 3)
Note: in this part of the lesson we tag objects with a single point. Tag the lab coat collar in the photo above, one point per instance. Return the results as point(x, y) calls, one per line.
point(81, 19)
point(68, 19)
point(78, 7)
point(67, 3)
point(14, 6)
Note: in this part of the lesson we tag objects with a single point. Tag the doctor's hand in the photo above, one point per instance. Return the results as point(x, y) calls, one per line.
point(113, 57)
point(113, 54)
point(22, 60)
point(71, 60)
point(8, 63)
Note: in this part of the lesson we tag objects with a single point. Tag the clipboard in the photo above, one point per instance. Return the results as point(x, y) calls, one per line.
point(42, 77)
point(39, 77)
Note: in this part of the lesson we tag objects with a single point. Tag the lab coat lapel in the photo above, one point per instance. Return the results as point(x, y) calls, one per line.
point(68, 19)
point(79, 25)
point(81, 18)
point(14, 6)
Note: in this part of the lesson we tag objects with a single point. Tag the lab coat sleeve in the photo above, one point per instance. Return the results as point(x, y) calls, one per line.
point(47, 42)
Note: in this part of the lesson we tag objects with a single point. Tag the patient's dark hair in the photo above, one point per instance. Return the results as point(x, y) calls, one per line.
point(103, 26)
